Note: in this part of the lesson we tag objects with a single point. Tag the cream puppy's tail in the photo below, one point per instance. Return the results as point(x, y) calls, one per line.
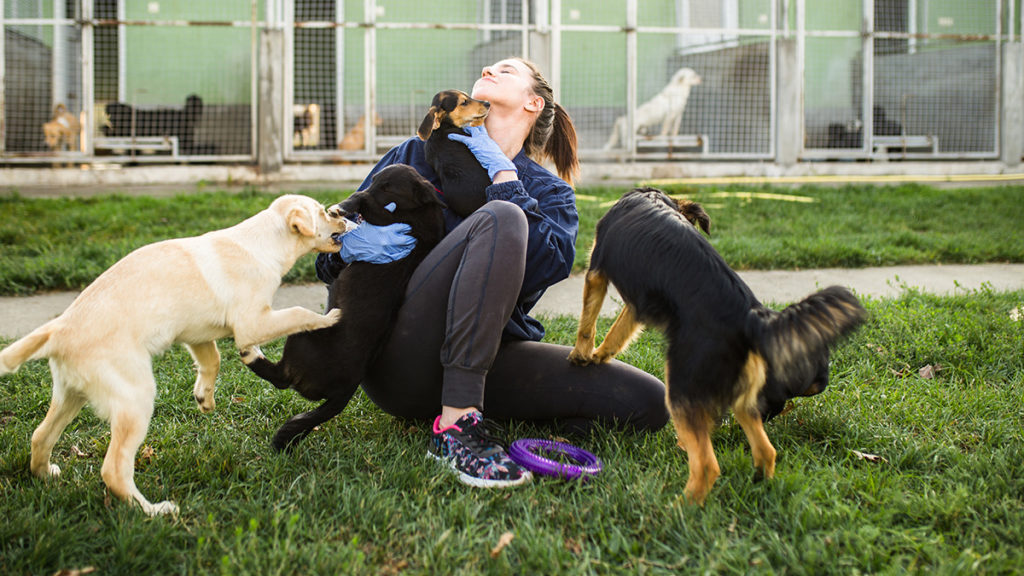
point(28, 348)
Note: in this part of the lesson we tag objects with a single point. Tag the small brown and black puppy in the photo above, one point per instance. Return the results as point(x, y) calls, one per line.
point(62, 131)
point(463, 179)
point(725, 349)
point(330, 364)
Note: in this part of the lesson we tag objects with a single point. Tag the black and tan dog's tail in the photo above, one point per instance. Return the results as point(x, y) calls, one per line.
point(31, 347)
point(695, 213)
point(794, 339)
point(299, 426)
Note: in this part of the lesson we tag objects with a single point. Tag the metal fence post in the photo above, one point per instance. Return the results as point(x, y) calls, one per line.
point(3, 76)
point(88, 77)
point(1011, 146)
point(789, 127)
point(270, 154)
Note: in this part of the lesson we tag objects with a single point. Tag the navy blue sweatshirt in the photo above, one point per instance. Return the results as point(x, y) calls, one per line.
point(550, 207)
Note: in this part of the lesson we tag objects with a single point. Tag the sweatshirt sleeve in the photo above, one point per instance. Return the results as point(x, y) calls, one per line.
point(550, 207)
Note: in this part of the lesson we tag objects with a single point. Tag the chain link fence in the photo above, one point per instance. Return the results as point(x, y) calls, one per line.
point(118, 81)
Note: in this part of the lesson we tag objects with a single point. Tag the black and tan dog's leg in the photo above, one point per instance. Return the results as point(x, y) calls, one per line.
point(595, 287)
point(693, 432)
point(760, 447)
point(619, 336)
point(752, 380)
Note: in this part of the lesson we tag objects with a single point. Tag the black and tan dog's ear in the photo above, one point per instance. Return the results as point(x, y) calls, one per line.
point(430, 123)
point(695, 214)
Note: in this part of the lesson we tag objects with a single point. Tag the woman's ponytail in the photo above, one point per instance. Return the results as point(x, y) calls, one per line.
point(553, 135)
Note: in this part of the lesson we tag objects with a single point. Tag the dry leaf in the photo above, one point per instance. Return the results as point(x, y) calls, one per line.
point(573, 546)
point(868, 457)
point(928, 372)
point(147, 453)
point(77, 452)
point(504, 540)
point(75, 572)
point(903, 372)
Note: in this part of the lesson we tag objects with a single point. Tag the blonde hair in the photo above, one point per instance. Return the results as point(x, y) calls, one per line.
point(553, 135)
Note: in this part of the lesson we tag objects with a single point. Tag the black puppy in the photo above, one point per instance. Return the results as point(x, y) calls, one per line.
point(126, 121)
point(463, 180)
point(329, 364)
point(725, 349)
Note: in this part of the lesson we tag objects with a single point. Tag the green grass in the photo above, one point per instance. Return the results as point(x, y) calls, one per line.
point(848, 226)
point(886, 472)
point(945, 495)
point(56, 244)
point(64, 243)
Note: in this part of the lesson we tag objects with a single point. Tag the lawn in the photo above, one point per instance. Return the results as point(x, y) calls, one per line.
point(56, 244)
point(911, 461)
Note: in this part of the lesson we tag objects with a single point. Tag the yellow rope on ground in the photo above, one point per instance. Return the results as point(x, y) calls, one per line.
point(834, 179)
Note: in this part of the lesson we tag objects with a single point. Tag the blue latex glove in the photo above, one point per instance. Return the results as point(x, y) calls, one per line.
point(486, 150)
point(377, 244)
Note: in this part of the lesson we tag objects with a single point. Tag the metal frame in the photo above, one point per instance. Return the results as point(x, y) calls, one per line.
point(868, 34)
point(549, 26)
point(88, 22)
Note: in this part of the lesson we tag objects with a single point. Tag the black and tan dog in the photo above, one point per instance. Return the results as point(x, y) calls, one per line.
point(725, 349)
point(330, 364)
point(463, 180)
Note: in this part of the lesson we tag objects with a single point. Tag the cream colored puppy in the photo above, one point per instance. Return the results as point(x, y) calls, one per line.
point(188, 290)
point(666, 109)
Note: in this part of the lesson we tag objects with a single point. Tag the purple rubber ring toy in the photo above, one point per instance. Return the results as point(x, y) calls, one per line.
point(524, 453)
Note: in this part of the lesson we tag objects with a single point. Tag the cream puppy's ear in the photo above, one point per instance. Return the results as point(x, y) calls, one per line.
point(300, 219)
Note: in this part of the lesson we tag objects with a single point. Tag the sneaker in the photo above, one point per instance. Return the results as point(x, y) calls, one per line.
point(477, 457)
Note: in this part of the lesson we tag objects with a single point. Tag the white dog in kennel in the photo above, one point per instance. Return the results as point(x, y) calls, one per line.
point(666, 109)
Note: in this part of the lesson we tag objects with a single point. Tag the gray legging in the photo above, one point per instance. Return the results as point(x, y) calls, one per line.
point(447, 348)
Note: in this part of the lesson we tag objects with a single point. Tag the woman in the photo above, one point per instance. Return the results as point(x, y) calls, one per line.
point(463, 339)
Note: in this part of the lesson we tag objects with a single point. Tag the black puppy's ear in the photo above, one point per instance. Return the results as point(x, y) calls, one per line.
point(430, 123)
point(429, 194)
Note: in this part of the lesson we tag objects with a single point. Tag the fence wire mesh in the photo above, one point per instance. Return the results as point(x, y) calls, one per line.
point(110, 80)
point(931, 71)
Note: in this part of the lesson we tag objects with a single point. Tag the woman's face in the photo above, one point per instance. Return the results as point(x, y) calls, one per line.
point(507, 82)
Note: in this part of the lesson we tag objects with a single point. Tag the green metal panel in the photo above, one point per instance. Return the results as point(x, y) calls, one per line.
point(204, 56)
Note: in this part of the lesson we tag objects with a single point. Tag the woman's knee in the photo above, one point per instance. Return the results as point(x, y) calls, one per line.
point(508, 218)
point(503, 225)
point(641, 398)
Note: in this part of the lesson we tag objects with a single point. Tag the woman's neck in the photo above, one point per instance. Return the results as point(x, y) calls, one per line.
point(509, 131)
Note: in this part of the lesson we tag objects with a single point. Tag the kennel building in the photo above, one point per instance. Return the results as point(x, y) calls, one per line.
point(272, 82)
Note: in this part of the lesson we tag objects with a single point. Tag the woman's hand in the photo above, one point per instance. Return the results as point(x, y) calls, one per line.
point(487, 152)
point(377, 244)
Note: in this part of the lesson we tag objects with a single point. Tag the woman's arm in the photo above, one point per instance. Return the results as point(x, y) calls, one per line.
point(329, 265)
point(550, 207)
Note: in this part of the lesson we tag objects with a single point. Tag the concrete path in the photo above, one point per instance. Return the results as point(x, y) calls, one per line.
point(20, 315)
point(781, 287)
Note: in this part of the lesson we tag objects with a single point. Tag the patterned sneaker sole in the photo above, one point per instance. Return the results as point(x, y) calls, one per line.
point(480, 482)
